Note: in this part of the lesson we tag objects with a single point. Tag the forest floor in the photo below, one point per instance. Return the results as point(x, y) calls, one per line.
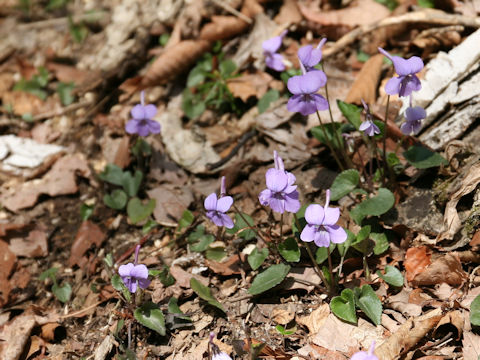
point(78, 193)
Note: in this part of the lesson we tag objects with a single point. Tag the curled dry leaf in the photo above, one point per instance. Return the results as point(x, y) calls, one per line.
point(454, 318)
point(60, 180)
point(366, 82)
point(316, 319)
point(34, 245)
point(172, 62)
point(416, 260)
point(447, 269)
point(87, 235)
point(223, 27)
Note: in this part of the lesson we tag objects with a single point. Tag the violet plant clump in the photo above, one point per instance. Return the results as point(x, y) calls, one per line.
point(413, 123)
point(134, 274)
point(217, 208)
point(407, 80)
point(142, 122)
point(322, 225)
point(281, 194)
point(270, 47)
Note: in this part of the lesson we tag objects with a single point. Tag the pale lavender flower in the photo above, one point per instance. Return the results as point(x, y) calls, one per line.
point(413, 123)
point(281, 194)
point(310, 56)
point(363, 355)
point(142, 123)
point(407, 81)
point(216, 353)
point(133, 274)
point(321, 225)
point(368, 126)
point(216, 208)
point(304, 88)
point(270, 47)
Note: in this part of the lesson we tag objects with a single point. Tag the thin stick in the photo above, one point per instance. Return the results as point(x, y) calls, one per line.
point(233, 11)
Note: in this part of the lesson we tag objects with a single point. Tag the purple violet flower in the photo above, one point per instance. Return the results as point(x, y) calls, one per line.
point(216, 353)
point(270, 47)
point(216, 209)
point(363, 355)
point(368, 126)
point(413, 123)
point(407, 81)
point(321, 226)
point(281, 194)
point(310, 56)
point(133, 274)
point(304, 88)
point(142, 123)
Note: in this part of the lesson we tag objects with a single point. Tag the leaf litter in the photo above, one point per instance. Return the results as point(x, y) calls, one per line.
point(49, 220)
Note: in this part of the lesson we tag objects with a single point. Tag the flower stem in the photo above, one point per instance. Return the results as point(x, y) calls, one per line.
point(330, 268)
point(327, 140)
point(366, 269)
point(385, 166)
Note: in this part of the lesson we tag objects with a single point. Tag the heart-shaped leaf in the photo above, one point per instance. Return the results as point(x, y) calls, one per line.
point(351, 112)
point(204, 293)
point(116, 200)
point(112, 174)
point(343, 306)
point(289, 250)
point(150, 316)
point(392, 276)
point(62, 293)
point(369, 303)
point(271, 277)
point(137, 211)
point(475, 311)
point(423, 158)
point(130, 183)
point(257, 257)
point(374, 206)
point(381, 243)
point(344, 183)
point(198, 240)
point(243, 221)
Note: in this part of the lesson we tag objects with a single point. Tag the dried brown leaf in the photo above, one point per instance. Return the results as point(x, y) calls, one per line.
point(249, 85)
point(316, 319)
point(7, 262)
point(174, 61)
point(183, 277)
point(222, 28)
point(289, 13)
point(454, 318)
point(87, 235)
point(408, 335)
point(170, 203)
point(282, 316)
point(471, 346)
point(366, 82)
point(34, 245)
point(25, 103)
point(228, 267)
point(447, 269)
point(416, 260)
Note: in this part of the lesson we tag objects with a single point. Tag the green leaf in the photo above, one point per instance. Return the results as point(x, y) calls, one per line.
point(163, 39)
point(359, 243)
point(216, 253)
point(322, 253)
point(390, 4)
point(32, 87)
point(118, 285)
point(173, 308)
point(149, 226)
point(192, 105)
point(62, 293)
point(423, 158)
point(475, 311)
point(300, 215)
point(344, 183)
point(112, 174)
point(108, 259)
point(361, 56)
point(198, 240)
point(64, 91)
point(369, 303)
point(50, 273)
point(289, 250)
point(141, 148)
point(381, 243)
point(392, 276)
point(164, 275)
point(86, 211)
point(271, 277)
point(248, 233)
point(374, 206)
point(186, 220)
point(330, 130)
point(116, 200)
point(264, 102)
point(150, 316)
point(137, 211)
point(426, 3)
point(131, 184)
point(196, 77)
point(284, 331)
point(227, 67)
point(343, 247)
point(257, 257)
point(351, 112)
point(343, 306)
point(204, 293)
